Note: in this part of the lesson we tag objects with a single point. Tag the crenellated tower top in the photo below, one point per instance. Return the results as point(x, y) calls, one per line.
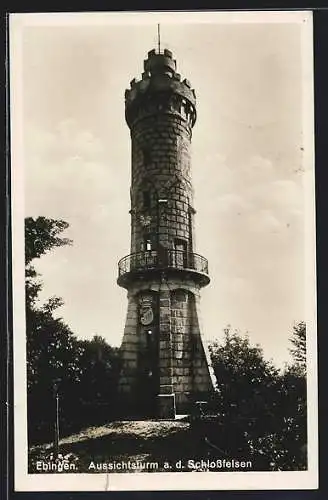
point(160, 90)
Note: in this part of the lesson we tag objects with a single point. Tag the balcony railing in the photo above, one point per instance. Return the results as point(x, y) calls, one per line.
point(177, 259)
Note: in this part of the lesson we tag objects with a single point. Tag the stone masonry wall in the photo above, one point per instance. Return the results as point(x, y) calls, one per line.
point(139, 379)
point(183, 367)
point(129, 348)
point(164, 361)
point(161, 168)
point(191, 373)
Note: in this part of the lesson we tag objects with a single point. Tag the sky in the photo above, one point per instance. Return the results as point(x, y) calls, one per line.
point(248, 164)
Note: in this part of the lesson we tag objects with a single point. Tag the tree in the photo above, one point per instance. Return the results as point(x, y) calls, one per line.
point(260, 408)
point(295, 396)
point(242, 372)
point(97, 390)
point(101, 367)
point(247, 391)
point(298, 339)
point(41, 236)
point(53, 352)
point(84, 372)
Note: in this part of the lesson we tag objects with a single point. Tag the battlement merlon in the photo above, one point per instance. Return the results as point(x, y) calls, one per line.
point(160, 77)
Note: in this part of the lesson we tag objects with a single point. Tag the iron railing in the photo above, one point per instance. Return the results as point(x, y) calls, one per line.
point(177, 259)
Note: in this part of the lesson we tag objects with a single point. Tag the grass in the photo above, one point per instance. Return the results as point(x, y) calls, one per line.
point(161, 442)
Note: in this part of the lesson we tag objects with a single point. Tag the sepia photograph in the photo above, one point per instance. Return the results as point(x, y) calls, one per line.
point(163, 242)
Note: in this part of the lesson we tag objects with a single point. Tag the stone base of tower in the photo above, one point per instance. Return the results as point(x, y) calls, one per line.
point(165, 367)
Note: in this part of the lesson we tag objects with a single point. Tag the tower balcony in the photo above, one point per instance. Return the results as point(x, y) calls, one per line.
point(148, 264)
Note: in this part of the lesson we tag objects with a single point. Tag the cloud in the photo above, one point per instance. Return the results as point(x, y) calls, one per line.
point(263, 221)
point(74, 141)
point(66, 140)
point(239, 286)
point(232, 202)
point(287, 193)
point(250, 197)
point(67, 173)
point(254, 213)
point(257, 169)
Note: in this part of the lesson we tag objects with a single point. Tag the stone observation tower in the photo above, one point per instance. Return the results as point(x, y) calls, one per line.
point(164, 364)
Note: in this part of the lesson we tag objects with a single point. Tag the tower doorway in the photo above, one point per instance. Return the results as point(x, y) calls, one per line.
point(148, 356)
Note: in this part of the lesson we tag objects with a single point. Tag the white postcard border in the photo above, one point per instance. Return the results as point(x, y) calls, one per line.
point(154, 481)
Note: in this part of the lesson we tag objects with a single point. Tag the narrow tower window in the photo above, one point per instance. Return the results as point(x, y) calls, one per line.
point(146, 156)
point(146, 200)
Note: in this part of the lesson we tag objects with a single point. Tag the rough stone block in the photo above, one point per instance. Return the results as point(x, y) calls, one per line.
point(164, 344)
point(164, 319)
point(165, 328)
point(130, 322)
point(165, 335)
point(128, 355)
point(178, 386)
point(130, 337)
point(131, 363)
point(167, 380)
point(165, 371)
point(179, 347)
point(166, 389)
point(198, 379)
point(164, 362)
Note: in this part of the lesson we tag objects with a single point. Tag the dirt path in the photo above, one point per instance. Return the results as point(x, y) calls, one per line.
point(145, 429)
point(133, 441)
